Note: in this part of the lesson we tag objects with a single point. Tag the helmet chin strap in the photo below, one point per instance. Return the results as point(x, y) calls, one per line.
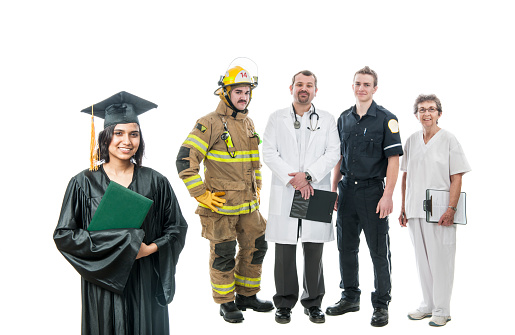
point(235, 110)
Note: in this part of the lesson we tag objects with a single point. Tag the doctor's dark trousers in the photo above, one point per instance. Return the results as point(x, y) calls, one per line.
point(285, 274)
point(357, 203)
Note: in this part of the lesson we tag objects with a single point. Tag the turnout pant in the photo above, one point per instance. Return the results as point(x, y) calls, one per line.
point(357, 203)
point(286, 280)
point(231, 271)
point(435, 251)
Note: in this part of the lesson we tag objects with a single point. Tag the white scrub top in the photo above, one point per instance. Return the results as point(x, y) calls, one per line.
point(429, 166)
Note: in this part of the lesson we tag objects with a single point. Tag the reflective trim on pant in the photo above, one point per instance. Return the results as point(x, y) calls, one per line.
point(223, 289)
point(223, 231)
point(246, 281)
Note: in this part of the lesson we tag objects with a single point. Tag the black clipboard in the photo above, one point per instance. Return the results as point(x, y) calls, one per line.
point(319, 207)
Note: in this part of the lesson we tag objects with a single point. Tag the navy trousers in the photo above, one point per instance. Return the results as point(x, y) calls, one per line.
point(357, 202)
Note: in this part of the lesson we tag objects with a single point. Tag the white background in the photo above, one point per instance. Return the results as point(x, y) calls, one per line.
point(58, 57)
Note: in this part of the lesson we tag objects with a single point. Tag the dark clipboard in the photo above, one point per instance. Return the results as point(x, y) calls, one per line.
point(319, 207)
point(437, 202)
point(120, 208)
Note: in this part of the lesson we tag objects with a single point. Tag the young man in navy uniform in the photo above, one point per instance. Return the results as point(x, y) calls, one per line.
point(370, 149)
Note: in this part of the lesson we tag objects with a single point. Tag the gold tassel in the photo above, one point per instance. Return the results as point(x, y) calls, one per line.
point(93, 153)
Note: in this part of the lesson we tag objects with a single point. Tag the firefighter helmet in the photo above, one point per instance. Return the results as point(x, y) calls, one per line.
point(234, 76)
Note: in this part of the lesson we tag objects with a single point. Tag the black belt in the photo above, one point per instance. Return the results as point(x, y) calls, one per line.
point(367, 182)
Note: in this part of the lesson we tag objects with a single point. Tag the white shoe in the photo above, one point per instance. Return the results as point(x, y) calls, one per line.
point(418, 315)
point(439, 321)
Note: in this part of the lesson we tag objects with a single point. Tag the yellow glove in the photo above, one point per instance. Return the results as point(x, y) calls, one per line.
point(211, 200)
point(258, 191)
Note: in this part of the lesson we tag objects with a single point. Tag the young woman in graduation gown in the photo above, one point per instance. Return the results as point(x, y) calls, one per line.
point(127, 274)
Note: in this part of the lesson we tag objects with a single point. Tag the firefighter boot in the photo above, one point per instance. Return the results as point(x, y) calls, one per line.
point(230, 312)
point(254, 303)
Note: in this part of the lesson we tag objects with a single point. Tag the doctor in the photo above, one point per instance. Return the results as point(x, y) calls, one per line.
point(300, 146)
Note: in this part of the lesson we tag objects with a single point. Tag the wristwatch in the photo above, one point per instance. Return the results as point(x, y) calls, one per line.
point(308, 176)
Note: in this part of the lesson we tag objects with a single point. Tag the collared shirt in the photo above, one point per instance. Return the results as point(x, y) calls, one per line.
point(367, 142)
point(302, 134)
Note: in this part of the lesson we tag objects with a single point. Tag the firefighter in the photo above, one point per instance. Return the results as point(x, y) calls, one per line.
point(226, 141)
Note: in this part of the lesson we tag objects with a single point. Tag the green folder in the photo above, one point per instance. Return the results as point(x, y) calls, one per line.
point(120, 208)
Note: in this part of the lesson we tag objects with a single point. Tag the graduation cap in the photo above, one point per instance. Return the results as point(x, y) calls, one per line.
point(122, 107)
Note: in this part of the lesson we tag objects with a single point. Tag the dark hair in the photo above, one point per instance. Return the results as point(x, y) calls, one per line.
point(104, 140)
point(367, 70)
point(427, 97)
point(306, 73)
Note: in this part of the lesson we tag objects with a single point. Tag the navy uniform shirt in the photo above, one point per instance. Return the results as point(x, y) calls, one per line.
point(367, 143)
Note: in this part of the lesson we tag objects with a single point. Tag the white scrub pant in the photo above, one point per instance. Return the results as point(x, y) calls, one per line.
point(435, 251)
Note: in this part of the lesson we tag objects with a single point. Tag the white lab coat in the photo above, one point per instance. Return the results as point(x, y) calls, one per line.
point(281, 155)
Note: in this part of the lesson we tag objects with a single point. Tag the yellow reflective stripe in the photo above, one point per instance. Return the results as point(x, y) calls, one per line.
point(232, 160)
point(247, 282)
point(258, 174)
point(223, 289)
point(245, 208)
point(246, 152)
point(193, 181)
point(201, 141)
point(187, 180)
point(194, 185)
point(197, 142)
point(239, 156)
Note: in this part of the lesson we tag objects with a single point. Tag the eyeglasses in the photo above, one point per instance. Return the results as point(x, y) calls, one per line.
point(430, 110)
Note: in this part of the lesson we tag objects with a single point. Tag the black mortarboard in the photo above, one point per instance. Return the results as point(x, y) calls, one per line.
point(122, 107)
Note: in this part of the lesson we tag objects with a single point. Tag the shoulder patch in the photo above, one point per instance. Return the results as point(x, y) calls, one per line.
point(201, 127)
point(393, 125)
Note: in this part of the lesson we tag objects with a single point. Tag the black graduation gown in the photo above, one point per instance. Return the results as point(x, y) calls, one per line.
point(122, 295)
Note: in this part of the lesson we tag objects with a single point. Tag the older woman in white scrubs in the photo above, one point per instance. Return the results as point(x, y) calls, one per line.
point(433, 159)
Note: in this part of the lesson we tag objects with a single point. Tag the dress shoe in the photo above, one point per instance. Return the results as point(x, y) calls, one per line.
point(315, 314)
point(341, 307)
point(252, 302)
point(283, 315)
point(230, 312)
point(380, 317)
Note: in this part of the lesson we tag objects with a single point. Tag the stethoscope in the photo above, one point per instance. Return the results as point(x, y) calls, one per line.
point(296, 124)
